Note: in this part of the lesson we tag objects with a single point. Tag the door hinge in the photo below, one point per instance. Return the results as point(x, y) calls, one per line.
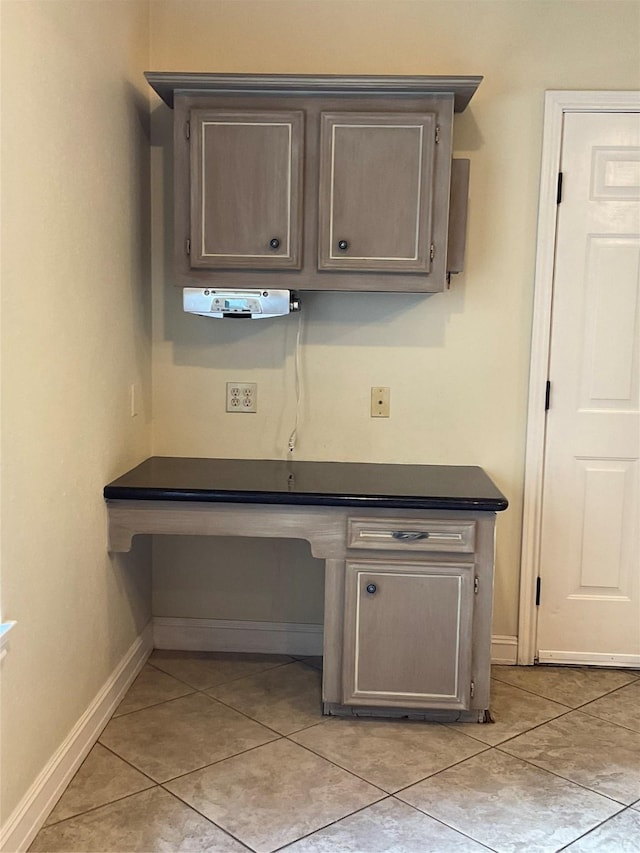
point(437, 134)
point(538, 588)
point(432, 252)
point(187, 247)
point(547, 396)
point(476, 584)
point(187, 129)
point(559, 190)
point(473, 688)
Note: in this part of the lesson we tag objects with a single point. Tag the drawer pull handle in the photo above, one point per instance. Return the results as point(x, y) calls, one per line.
point(409, 535)
point(371, 588)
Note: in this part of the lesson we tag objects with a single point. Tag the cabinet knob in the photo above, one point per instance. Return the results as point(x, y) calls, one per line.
point(343, 245)
point(371, 588)
point(274, 243)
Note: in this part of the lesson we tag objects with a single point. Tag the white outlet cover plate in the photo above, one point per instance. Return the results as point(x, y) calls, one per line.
point(242, 397)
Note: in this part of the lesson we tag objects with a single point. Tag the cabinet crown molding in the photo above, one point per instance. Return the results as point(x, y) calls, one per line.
point(169, 83)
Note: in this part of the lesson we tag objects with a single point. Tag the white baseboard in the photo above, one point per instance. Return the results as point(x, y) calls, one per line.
point(223, 635)
point(588, 659)
point(504, 650)
point(23, 824)
point(286, 638)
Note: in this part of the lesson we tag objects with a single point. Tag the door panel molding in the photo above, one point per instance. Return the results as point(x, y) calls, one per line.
point(557, 104)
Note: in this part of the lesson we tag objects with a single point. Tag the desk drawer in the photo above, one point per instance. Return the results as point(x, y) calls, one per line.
point(408, 534)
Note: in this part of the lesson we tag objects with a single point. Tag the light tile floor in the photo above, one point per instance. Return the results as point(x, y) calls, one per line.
point(230, 753)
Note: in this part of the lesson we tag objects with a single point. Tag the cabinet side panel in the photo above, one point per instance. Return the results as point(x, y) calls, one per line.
point(458, 215)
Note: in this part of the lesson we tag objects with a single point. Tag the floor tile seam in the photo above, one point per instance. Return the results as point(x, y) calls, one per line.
point(306, 727)
point(530, 729)
point(593, 828)
point(117, 716)
point(564, 778)
point(610, 722)
point(158, 704)
point(368, 806)
point(534, 693)
point(220, 683)
point(244, 714)
point(332, 823)
point(210, 698)
point(473, 838)
point(487, 748)
point(451, 826)
point(218, 761)
point(126, 761)
point(100, 806)
point(443, 822)
point(256, 674)
point(171, 675)
point(204, 816)
point(339, 766)
point(605, 694)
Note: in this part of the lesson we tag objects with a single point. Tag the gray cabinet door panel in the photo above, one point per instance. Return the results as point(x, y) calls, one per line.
point(376, 176)
point(408, 634)
point(246, 179)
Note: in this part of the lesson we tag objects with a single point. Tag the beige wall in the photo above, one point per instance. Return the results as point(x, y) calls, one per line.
point(456, 363)
point(75, 335)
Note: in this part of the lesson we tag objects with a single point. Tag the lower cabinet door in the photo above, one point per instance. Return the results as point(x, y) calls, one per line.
point(408, 634)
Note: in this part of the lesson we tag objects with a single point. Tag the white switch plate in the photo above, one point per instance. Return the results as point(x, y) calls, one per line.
point(380, 402)
point(242, 397)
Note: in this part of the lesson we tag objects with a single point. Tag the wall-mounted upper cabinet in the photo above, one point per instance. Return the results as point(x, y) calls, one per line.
point(316, 183)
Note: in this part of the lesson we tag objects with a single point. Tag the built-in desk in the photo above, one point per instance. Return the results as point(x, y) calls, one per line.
point(408, 552)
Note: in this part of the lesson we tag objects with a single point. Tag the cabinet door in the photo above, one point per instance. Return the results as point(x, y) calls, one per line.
point(408, 634)
point(376, 187)
point(246, 184)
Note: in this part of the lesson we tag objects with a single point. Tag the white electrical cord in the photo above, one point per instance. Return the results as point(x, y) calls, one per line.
point(293, 437)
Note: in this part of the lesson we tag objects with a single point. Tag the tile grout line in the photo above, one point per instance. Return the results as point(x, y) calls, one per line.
point(564, 778)
point(100, 806)
point(364, 808)
point(444, 823)
point(593, 829)
point(219, 761)
point(208, 819)
point(557, 701)
point(219, 684)
point(153, 704)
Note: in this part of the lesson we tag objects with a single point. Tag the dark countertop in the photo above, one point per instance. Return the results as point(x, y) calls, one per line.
point(271, 481)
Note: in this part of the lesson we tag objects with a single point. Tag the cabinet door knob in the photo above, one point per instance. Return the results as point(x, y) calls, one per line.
point(371, 588)
point(343, 245)
point(274, 243)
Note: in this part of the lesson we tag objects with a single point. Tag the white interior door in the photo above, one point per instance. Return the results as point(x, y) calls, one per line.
point(589, 608)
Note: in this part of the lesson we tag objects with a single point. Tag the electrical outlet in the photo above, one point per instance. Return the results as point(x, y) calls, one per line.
point(242, 397)
point(380, 402)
